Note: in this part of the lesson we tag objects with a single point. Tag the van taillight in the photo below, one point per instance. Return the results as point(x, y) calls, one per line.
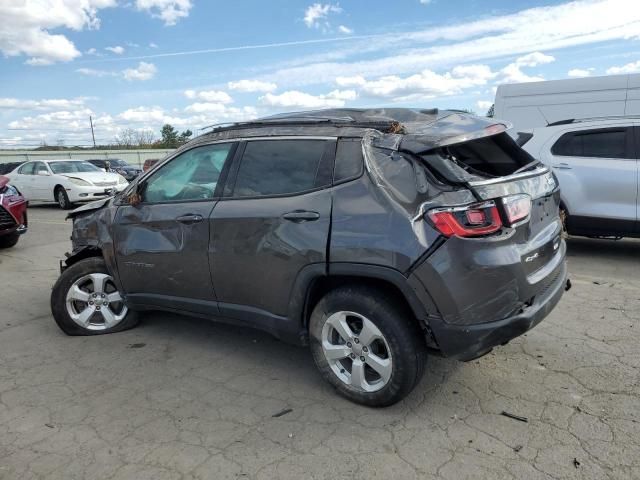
point(467, 221)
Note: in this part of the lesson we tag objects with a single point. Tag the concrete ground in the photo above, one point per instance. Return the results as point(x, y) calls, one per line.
point(180, 398)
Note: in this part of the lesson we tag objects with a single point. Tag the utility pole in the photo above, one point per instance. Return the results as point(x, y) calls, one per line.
point(92, 134)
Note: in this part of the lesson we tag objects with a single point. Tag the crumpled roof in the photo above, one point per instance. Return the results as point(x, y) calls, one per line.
point(418, 129)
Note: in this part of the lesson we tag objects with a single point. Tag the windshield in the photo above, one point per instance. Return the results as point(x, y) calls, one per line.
point(72, 167)
point(118, 163)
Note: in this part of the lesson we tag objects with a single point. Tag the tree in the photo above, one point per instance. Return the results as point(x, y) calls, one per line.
point(169, 136)
point(491, 110)
point(145, 138)
point(126, 138)
point(185, 136)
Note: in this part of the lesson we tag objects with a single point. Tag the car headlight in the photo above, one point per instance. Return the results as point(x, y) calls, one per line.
point(79, 181)
point(122, 180)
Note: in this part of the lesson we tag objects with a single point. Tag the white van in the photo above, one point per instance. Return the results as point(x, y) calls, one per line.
point(537, 104)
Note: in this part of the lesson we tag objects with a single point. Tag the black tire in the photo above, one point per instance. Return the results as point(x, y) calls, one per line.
point(404, 338)
point(59, 295)
point(63, 199)
point(8, 241)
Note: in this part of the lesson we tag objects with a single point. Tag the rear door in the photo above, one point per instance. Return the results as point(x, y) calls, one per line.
point(41, 188)
point(23, 179)
point(598, 174)
point(161, 244)
point(273, 220)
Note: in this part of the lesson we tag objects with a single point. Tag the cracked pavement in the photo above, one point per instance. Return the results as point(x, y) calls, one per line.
point(182, 398)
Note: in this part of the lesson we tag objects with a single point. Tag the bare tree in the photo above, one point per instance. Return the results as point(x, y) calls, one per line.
point(145, 138)
point(126, 138)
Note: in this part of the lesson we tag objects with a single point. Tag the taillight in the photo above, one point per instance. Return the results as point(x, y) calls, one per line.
point(517, 208)
point(467, 221)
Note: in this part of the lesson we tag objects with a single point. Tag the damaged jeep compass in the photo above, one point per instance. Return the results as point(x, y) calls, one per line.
point(378, 237)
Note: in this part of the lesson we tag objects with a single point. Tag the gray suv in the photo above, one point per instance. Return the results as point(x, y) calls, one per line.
point(377, 237)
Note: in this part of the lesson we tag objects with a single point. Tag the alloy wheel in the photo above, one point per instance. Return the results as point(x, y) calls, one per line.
point(356, 351)
point(94, 302)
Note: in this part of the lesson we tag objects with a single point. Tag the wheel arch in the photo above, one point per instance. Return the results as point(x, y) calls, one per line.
point(314, 281)
point(82, 253)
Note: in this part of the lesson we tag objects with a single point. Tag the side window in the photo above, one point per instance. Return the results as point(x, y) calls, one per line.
point(27, 168)
point(349, 160)
point(40, 168)
point(192, 175)
point(600, 143)
point(277, 167)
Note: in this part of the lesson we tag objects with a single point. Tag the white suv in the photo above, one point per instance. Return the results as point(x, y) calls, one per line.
point(596, 162)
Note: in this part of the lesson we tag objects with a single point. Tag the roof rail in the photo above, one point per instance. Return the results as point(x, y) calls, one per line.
point(591, 119)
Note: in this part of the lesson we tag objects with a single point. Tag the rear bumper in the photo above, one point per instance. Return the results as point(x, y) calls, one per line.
point(466, 342)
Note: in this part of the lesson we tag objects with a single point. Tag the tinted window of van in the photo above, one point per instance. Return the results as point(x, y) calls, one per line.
point(600, 143)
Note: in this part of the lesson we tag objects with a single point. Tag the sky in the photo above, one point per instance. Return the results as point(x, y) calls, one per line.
point(138, 64)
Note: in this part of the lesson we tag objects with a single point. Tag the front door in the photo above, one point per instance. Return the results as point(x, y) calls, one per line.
point(273, 221)
point(161, 244)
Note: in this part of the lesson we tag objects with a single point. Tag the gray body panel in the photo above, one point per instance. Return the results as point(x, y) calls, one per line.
point(159, 255)
point(256, 254)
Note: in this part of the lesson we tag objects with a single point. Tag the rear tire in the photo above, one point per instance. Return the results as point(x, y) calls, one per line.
point(8, 241)
point(85, 301)
point(375, 373)
point(63, 199)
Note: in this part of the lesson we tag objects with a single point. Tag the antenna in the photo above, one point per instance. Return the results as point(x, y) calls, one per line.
point(92, 134)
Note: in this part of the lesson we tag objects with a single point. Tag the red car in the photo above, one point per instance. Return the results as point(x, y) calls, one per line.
point(13, 214)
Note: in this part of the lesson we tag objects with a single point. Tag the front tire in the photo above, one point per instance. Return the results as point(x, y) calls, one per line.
point(8, 241)
point(367, 345)
point(63, 199)
point(85, 301)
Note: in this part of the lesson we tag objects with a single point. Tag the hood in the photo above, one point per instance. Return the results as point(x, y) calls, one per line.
point(93, 177)
point(89, 207)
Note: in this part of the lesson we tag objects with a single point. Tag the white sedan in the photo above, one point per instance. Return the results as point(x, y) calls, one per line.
point(65, 181)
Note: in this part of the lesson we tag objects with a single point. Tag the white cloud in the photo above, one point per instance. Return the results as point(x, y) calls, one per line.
point(169, 11)
point(633, 67)
point(91, 51)
point(91, 72)
point(570, 24)
point(252, 86)
point(425, 2)
point(143, 115)
point(316, 15)
point(297, 99)
point(579, 72)
point(44, 104)
point(484, 104)
point(210, 96)
point(513, 73)
point(25, 27)
point(426, 84)
point(200, 107)
point(144, 71)
point(153, 45)
point(346, 30)
point(118, 50)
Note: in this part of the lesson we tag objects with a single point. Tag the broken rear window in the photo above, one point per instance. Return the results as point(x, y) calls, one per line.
point(497, 155)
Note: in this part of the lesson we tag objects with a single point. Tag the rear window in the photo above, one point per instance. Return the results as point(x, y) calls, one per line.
point(600, 143)
point(497, 155)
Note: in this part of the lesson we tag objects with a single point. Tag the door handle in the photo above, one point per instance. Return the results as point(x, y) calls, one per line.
point(562, 166)
point(299, 216)
point(190, 219)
